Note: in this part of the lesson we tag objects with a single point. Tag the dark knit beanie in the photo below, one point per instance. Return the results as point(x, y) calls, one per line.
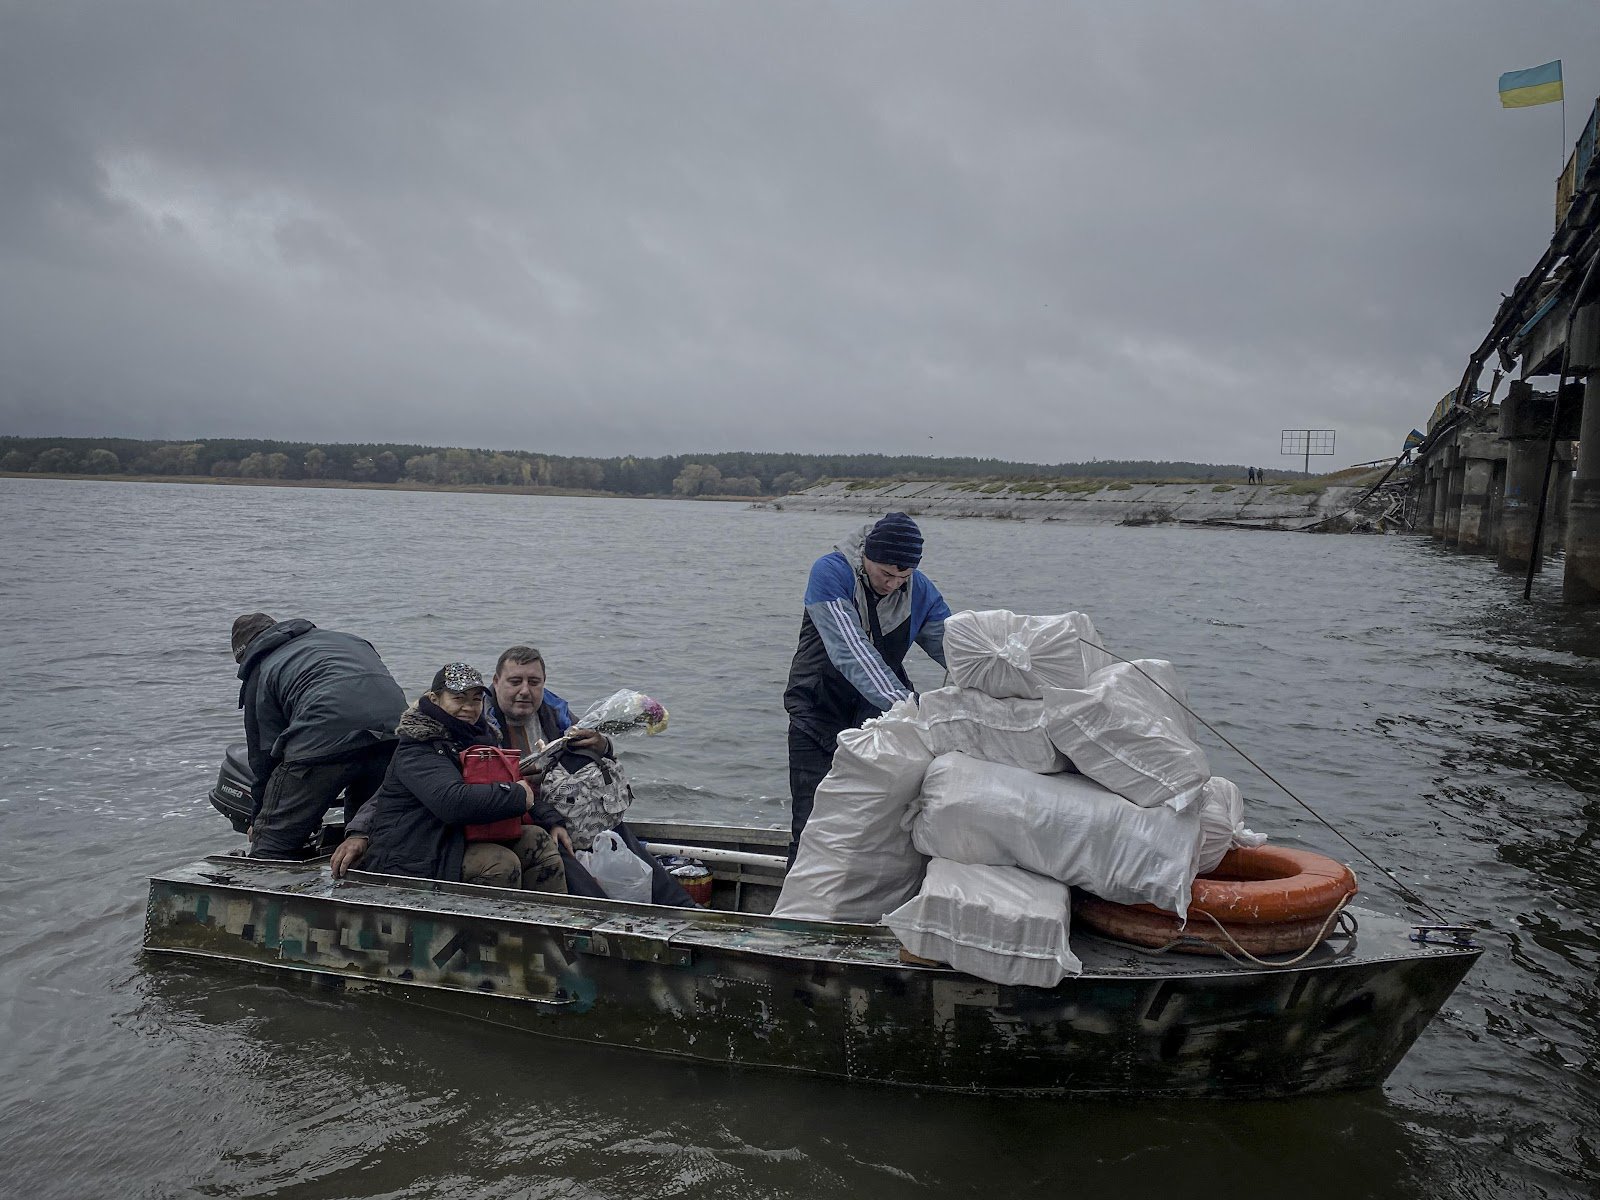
point(246, 629)
point(895, 541)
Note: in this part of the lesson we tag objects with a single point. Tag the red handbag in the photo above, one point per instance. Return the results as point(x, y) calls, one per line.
point(490, 764)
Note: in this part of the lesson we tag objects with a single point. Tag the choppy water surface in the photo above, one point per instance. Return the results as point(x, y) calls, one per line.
point(1404, 689)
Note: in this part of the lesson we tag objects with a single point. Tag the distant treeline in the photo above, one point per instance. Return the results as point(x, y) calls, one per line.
point(731, 473)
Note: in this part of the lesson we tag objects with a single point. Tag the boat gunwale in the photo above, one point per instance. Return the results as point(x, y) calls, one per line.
point(1142, 966)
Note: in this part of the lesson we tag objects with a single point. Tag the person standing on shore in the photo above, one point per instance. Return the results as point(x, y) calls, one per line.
point(865, 604)
point(320, 710)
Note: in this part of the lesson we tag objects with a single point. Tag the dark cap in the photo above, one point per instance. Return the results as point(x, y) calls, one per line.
point(246, 629)
point(895, 541)
point(457, 677)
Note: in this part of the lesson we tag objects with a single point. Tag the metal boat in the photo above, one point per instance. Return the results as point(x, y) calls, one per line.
point(733, 984)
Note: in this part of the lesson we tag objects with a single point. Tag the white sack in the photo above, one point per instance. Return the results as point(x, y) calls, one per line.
point(1003, 731)
point(1003, 654)
point(1121, 731)
point(1165, 674)
point(1222, 822)
point(856, 860)
point(998, 923)
point(1063, 826)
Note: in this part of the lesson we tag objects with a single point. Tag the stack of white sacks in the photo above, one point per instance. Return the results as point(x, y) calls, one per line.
point(957, 819)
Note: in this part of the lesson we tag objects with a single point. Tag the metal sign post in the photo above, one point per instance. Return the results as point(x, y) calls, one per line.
point(1307, 442)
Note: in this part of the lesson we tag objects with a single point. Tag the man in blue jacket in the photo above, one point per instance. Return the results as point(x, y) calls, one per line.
point(320, 710)
point(866, 603)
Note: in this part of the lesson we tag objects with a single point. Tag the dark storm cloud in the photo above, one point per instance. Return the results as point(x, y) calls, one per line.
point(1036, 231)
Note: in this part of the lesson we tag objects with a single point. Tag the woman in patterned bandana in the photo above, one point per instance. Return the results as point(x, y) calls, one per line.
point(416, 823)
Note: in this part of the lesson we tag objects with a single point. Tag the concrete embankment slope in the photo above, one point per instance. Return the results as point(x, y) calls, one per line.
point(1090, 502)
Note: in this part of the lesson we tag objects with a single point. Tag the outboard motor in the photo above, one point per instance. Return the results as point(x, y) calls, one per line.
point(231, 798)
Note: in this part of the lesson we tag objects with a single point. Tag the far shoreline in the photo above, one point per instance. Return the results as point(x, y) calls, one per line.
point(401, 485)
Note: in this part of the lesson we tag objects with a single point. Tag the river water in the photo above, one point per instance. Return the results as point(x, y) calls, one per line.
point(1402, 689)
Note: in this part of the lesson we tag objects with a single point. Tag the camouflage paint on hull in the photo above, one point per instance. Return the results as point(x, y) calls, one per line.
point(822, 998)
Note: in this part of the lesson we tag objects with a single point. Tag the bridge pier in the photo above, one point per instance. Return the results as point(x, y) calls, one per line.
point(1423, 521)
point(1453, 491)
point(1525, 429)
point(1478, 487)
point(1497, 501)
point(1559, 504)
point(1520, 511)
point(1581, 582)
point(1476, 481)
point(1441, 495)
point(1428, 496)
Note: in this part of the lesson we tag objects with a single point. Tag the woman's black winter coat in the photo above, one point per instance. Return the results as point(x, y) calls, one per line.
point(416, 819)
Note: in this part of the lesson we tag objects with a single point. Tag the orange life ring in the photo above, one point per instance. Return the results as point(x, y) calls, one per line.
point(1267, 899)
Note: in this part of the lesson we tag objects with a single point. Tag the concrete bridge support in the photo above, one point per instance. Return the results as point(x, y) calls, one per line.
point(1496, 511)
point(1480, 456)
point(1520, 510)
point(1453, 493)
point(1477, 475)
point(1581, 582)
point(1441, 488)
point(1422, 520)
point(1559, 502)
point(1525, 429)
point(1497, 500)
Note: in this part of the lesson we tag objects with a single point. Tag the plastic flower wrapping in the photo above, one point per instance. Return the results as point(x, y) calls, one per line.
point(624, 712)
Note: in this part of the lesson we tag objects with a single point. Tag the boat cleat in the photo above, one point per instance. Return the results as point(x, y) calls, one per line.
point(1458, 936)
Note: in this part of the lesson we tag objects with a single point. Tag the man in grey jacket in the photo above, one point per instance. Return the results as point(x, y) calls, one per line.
point(320, 710)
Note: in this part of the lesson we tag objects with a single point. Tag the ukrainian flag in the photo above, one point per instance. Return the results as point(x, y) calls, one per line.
point(1414, 439)
point(1536, 85)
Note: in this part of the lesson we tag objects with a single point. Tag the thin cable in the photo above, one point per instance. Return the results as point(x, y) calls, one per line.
point(1283, 787)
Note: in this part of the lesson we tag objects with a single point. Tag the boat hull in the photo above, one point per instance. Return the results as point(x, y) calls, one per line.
point(827, 999)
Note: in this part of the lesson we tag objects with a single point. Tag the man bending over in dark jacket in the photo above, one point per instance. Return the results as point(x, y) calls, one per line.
point(320, 710)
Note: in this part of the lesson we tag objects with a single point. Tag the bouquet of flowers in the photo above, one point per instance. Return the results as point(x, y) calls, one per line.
point(624, 712)
point(620, 712)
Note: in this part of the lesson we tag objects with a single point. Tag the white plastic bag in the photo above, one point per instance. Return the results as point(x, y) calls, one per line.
point(621, 872)
point(1124, 732)
point(1002, 653)
point(856, 860)
point(998, 923)
point(1003, 731)
point(1065, 827)
point(1171, 702)
point(1222, 822)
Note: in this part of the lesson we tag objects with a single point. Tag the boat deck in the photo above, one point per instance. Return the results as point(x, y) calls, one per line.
point(1380, 937)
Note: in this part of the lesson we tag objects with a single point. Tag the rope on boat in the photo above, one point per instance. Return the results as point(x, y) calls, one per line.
point(1298, 958)
point(1281, 786)
point(1242, 957)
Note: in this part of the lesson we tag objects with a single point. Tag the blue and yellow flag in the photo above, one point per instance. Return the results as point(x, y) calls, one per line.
point(1536, 85)
point(1414, 439)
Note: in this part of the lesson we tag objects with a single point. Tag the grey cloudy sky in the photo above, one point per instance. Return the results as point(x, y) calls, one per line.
point(1043, 231)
